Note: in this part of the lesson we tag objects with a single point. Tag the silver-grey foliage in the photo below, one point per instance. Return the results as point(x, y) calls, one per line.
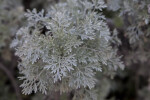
point(136, 26)
point(63, 49)
point(136, 18)
point(10, 16)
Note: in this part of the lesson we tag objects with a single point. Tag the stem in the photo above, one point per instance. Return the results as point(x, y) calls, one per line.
point(57, 96)
point(13, 81)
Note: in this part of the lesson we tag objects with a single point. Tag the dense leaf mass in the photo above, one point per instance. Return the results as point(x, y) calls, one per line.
point(63, 49)
point(10, 15)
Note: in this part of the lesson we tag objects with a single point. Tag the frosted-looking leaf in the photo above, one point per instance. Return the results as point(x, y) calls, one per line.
point(63, 49)
point(114, 5)
point(61, 66)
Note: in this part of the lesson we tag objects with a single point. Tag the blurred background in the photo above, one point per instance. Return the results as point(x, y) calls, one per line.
point(129, 17)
